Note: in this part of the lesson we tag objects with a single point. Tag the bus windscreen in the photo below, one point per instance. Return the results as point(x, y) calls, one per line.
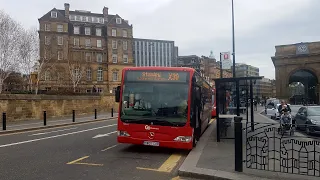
point(152, 96)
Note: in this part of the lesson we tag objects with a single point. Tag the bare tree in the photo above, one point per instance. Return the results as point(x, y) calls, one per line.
point(76, 70)
point(10, 33)
point(29, 53)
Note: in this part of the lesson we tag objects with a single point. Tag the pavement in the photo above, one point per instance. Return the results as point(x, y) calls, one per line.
point(215, 160)
point(83, 151)
point(23, 125)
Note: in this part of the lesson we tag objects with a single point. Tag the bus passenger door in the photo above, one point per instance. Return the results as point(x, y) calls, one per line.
point(195, 110)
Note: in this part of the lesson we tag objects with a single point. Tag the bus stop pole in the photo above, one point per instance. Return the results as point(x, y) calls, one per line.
point(238, 97)
point(218, 110)
point(251, 106)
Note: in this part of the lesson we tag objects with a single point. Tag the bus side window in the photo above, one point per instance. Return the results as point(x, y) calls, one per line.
point(117, 94)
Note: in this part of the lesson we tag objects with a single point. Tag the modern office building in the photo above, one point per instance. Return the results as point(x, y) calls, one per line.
point(151, 52)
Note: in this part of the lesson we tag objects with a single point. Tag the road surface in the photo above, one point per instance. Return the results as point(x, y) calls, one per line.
point(87, 151)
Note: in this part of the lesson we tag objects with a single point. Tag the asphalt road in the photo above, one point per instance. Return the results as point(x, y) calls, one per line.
point(87, 151)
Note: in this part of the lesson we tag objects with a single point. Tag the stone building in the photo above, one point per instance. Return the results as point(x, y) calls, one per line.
point(83, 50)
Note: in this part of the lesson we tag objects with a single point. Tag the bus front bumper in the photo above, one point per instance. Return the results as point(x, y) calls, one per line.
point(154, 142)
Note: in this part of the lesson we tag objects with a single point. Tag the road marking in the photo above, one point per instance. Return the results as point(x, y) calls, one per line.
point(50, 128)
point(167, 166)
point(176, 178)
point(103, 135)
point(109, 147)
point(212, 120)
point(52, 131)
point(77, 161)
point(51, 137)
point(170, 163)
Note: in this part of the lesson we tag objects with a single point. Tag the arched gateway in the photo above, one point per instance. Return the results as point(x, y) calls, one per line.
point(297, 72)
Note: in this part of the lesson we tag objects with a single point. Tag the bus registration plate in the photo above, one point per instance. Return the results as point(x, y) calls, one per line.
point(150, 143)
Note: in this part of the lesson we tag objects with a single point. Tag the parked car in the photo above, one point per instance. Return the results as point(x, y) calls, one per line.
point(308, 119)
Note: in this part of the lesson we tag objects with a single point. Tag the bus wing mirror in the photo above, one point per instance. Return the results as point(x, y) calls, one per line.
point(117, 94)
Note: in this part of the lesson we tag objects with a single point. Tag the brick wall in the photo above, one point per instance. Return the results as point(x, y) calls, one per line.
point(25, 107)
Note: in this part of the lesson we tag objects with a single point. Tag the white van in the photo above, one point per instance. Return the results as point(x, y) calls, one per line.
point(272, 107)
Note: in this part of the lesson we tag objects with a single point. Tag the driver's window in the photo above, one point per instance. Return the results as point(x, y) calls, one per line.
point(304, 112)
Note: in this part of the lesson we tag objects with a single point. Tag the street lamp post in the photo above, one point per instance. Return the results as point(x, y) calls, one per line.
point(233, 45)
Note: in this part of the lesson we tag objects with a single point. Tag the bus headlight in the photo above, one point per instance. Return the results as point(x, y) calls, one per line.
point(183, 138)
point(123, 133)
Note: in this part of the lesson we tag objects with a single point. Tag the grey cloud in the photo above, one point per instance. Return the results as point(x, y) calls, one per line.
point(198, 27)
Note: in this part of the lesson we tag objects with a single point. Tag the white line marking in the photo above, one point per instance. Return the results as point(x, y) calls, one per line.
point(109, 147)
point(52, 131)
point(102, 135)
point(51, 137)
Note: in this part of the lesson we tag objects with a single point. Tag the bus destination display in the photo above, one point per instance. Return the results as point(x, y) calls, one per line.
point(161, 76)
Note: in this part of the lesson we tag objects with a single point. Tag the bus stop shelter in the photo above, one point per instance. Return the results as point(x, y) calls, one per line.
point(228, 97)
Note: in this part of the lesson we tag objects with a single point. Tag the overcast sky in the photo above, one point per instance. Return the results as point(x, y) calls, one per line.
point(199, 26)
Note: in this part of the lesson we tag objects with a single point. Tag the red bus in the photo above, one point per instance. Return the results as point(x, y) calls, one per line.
point(163, 106)
point(214, 107)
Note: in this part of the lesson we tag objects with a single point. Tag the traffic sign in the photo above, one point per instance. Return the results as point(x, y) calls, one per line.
point(226, 60)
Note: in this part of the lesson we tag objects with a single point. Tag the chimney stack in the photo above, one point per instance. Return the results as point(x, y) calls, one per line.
point(105, 13)
point(66, 10)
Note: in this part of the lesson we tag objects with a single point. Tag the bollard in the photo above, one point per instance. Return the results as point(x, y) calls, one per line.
point(44, 118)
point(238, 149)
point(73, 116)
point(4, 121)
point(95, 113)
point(111, 112)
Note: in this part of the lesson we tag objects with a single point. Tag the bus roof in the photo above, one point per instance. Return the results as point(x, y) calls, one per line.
point(160, 68)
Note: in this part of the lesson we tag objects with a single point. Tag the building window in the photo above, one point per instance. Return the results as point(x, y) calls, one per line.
point(88, 57)
point(87, 31)
point(88, 43)
point(100, 74)
point(60, 40)
point(47, 27)
point(99, 43)
point(60, 28)
point(114, 76)
point(94, 19)
point(125, 45)
point(60, 55)
point(114, 44)
point(100, 20)
point(46, 40)
point(114, 58)
point(76, 42)
point(124, 33)
point(76, 30)
point(99, 90)
point(47, 76)
point(98, 31)
point(72, 17)
point(118, 20)
point(54, 14)
point(125, 58)
point(78, 18)
point(77, 73)
point(114, 32)
point(99, 57)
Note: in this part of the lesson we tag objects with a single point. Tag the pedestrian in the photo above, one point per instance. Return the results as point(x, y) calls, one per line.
point(255, 105)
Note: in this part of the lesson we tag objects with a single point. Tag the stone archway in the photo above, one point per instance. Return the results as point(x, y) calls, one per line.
point(293, 62)
point(307, 81)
